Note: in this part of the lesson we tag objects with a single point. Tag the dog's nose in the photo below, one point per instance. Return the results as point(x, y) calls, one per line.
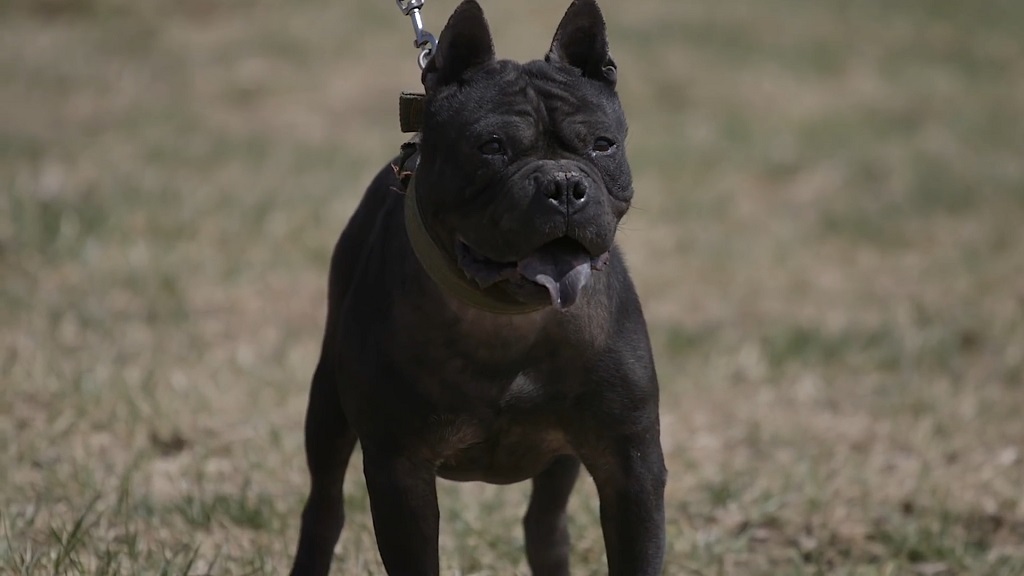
point(567, 190)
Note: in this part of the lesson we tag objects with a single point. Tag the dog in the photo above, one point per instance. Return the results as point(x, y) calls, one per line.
point(481, 323)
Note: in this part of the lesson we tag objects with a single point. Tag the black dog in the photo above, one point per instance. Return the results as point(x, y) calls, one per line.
point(482, 324)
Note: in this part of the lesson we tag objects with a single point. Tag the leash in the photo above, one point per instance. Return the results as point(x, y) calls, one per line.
point(423, 40)
point(410, 104)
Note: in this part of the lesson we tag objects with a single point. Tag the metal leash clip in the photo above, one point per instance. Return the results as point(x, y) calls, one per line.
point(424, 40)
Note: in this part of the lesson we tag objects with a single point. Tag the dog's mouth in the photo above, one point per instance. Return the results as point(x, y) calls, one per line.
point(562, 266)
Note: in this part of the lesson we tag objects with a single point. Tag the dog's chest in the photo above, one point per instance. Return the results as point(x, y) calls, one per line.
point(513, 442)
point(524, 391)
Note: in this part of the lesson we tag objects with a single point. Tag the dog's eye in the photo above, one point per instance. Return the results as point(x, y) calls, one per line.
point(492, 147)
point(602, 145)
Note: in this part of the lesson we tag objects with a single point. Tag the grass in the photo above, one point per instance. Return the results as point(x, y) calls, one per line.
point(826, 238)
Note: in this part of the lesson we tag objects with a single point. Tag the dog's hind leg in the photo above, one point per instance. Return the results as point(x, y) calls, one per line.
point(545, 524)
point(329, 444)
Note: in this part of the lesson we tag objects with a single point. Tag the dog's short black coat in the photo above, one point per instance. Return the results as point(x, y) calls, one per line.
point(522, 180)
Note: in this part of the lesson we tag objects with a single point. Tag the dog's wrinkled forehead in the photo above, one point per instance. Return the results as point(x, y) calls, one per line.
point(534, 92)
point(560, 88)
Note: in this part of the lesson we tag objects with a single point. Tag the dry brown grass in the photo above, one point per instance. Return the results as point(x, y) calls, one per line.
point(828, 239)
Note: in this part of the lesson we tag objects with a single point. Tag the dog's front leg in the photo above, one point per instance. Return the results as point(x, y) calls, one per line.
point(631, 486)
point(403, 503)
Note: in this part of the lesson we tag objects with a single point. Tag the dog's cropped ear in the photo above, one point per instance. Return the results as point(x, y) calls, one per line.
point(465, 43)
point(581, 41)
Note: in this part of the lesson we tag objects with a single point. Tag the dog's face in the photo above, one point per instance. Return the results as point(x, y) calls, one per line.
point(523, 175)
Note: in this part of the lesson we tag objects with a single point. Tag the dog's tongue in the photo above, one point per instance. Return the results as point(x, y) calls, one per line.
point(562, 269)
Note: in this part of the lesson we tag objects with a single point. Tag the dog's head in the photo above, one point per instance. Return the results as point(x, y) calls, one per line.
point(523, 176)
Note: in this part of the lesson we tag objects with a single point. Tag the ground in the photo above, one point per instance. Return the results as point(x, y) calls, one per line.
point(828, 238)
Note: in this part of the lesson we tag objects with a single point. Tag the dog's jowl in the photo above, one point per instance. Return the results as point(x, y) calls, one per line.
point(481, 323)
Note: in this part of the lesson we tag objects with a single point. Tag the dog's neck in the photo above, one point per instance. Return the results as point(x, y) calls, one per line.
point(446, 273)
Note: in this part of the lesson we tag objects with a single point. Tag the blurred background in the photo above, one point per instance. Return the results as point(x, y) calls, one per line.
point(828, 238)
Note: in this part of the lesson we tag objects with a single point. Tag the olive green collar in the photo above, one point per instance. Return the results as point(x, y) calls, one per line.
point(447, 274)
